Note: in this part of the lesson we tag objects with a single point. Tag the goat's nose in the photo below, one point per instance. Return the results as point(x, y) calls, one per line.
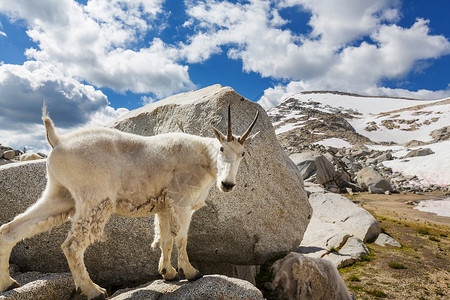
point(228, 185)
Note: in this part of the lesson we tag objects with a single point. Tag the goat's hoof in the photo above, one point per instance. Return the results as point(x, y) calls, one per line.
point(99, 297)
point(180, 271)
point(175, 278)
point(197, 276)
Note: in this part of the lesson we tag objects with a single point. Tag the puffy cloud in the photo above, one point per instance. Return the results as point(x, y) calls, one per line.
point(101, 43)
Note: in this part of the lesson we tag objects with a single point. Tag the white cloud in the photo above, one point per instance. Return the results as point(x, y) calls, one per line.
point(101, 43)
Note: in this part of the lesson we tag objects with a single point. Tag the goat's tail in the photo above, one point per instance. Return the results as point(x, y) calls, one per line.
point(50, 132)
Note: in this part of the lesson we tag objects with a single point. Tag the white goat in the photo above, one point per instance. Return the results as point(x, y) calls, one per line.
point(95, 173)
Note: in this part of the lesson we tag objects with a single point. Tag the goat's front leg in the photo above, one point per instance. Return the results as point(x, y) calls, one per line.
point(163, 221)
point(86, 228)
point(184, 266)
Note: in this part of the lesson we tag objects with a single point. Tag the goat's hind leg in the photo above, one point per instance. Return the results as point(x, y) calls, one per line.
point(87, 226)
point(164, 220)
point(53, 208)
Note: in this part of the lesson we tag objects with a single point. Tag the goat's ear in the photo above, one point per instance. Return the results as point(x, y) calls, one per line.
point(219, 135)
point(250, 139)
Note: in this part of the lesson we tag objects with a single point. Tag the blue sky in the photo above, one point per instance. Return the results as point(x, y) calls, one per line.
point(94, 60)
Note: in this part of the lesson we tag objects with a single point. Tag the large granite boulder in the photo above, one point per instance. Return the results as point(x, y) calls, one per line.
point(265, 216)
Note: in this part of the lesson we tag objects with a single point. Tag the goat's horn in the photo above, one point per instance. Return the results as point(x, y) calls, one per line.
point(229, 134)
point(245, 135)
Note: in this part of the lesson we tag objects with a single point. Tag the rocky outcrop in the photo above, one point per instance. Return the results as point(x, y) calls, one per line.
point(265, 216)
point(300, 277)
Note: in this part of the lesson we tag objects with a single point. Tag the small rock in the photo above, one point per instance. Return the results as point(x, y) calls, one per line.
point(384, 239)
point(9, 154)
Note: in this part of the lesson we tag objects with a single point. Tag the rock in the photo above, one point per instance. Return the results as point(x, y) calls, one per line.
point(368, 176)
point(38, 286)
point(419, 152)
point(299, 277)
point(209, 287)
point(383, 239)
point(338, 225)
point(30, 156)
point(5, 161)
point(310, 163)
point(339, 211)
point(265, 216)
point(441, 134)
point(375, 190)
point(384, 157)
point(9, 154)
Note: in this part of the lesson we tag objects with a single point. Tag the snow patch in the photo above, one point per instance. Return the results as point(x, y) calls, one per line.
point(438, 207)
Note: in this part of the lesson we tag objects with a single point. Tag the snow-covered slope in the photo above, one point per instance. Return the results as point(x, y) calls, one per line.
point(395, 124)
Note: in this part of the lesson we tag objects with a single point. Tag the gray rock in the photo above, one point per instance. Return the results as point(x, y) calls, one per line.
point(441, 134)
point(37, 286)
point(338, 211)
point(368, 176)
point(9, 154)
point(375, 190)
point(209, 287)
point(266, 215)
point(310, 163)
point(419, 152)
point(384, 157)
point(383, 240)
point(5, 161)
point(300, 277)
point(353, 250)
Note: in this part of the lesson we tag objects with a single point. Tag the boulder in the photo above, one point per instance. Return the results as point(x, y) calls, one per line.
point(368, 176)
point(265, 216)
point(38, 286)
point(338, 229)
point(300, 277)
point(419, 152)
point(9, 154)
point(209, 287)
point(339, 211)
point(313, 163)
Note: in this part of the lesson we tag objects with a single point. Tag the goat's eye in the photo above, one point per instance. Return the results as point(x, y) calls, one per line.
point(221, 149)
point(243, 153)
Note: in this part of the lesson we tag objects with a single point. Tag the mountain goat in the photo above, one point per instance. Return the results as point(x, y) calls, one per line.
point(95, 173)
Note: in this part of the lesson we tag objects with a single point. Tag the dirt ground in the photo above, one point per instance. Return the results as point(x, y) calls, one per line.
point(418, 270)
